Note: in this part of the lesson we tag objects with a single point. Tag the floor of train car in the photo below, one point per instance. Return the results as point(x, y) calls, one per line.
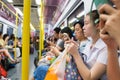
point(15, 73)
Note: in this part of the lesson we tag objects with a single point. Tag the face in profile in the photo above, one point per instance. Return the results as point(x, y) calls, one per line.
point(78, 31)
point(60, 35)
point(88, 27)
point(55, 35)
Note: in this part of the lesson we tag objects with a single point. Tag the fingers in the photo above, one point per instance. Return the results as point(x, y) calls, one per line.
point(104, 17)
point(103, 31)
point(106, 9)
point(71, 42)
point(102, 21)
point(52, 48)
point(103, 34)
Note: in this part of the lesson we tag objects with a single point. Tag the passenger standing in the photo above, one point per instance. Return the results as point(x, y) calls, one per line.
point(95, 53)
point(111, 24)
point(82, 41)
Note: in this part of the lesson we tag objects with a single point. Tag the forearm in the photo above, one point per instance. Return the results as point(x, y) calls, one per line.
point(113, 69)
point(83, 70)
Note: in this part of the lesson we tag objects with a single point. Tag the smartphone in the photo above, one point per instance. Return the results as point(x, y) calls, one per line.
point(98, 3)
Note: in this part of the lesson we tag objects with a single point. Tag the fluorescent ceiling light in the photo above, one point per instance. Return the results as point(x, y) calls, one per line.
point(72, 20)
point(19, 11)
point(38, 2)
point(10, 1)
point(39, 11)
point(31, 27)
point(80, 14)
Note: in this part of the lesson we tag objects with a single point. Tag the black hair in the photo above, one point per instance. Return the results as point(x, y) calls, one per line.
point(57, 30)
point(12, 36)
point(68, 31)
point(4, 36)
point(94, 16)
point(0, 33)
point(80, 22)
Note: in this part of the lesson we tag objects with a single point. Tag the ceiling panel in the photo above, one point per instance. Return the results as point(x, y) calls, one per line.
point(18, 1)
point(34, 15)
point(34, 18)
point(51, 11)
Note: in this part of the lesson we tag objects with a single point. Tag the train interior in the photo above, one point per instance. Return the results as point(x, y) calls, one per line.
point(55, 13)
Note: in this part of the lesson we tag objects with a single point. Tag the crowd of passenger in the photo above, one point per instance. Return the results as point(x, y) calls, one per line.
point(93, 50)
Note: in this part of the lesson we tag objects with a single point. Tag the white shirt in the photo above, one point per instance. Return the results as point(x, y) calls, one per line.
point(82, 45)
point(98, 53)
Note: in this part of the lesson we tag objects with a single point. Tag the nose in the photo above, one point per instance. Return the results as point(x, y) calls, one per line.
point(83, 28)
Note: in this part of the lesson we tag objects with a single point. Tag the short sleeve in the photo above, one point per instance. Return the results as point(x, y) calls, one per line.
point(102, 57)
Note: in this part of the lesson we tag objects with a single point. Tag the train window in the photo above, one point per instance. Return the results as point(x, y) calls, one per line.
point(0, 5)
point(76, 15)
point(9, 30)
point(1, 27)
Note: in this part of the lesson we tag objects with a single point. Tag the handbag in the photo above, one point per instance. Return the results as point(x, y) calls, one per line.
point(3, 72)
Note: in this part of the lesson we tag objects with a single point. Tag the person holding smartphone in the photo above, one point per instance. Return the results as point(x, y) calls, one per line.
point(95, 53)
point(110, 23)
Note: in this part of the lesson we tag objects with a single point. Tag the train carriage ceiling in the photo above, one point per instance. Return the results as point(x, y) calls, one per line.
point(52, 10)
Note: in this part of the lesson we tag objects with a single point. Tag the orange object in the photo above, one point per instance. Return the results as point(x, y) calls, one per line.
point(3, 72)
point(51, 74)
point(49, 58)
point(57, 69)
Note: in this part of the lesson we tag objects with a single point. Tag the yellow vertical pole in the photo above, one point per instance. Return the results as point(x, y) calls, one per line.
point(40, 42)
point(26, 40)
point(40, 39)
point(15, 54)
point(41, 46)
point(43, 24)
